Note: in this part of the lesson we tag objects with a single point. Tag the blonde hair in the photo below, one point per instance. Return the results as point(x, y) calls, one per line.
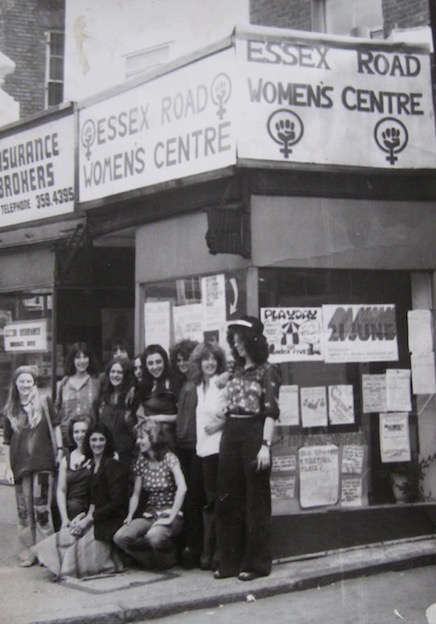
point(13, 407)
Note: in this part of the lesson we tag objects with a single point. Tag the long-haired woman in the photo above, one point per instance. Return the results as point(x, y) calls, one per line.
point(31, 429)
point(78, 392)
point(112, 410)
point(85, 547)
point(207, 363)
point(72, 494)
point(150, 539)
point(243, 514)
point(156, 397)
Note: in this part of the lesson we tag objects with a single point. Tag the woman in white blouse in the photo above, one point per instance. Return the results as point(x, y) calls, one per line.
point(208, 362)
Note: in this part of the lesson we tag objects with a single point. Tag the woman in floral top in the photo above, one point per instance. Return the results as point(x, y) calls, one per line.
point(243, 513)
point(149, 539)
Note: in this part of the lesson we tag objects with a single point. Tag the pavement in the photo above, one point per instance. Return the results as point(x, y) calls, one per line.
point(31, 596)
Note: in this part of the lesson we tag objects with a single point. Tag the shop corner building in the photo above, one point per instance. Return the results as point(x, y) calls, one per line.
point(281, 173)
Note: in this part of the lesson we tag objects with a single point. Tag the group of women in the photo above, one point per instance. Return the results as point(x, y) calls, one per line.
point(155, 461)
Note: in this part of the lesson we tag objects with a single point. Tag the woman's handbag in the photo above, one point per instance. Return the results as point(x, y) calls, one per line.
point(46, 411)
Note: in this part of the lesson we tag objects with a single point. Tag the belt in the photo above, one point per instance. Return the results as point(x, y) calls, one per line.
point(242, 415)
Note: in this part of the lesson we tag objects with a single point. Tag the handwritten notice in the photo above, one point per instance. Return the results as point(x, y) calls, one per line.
point(394, 438)
point(420, 333)
point(398, 390)
point(294, 334)
point(351, 492)
point(374, 393)
point(213, 294)
point(352, 459)
point(188, 322)
point(423, 373)
point(157, 316)
point(319, 475)
point(289, 406)
point(282, 463)
point(341, 405)
point(283, 488)
point(314, 407)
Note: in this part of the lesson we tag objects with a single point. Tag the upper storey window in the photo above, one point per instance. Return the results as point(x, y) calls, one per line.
point(348, 17)
point(54, 68)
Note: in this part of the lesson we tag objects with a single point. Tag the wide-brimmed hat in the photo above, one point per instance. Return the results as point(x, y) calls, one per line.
point(251, 322)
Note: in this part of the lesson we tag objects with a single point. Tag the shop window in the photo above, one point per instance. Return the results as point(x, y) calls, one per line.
point(196, 307)
point(26, 336)
point(54, 68)
point(328, 384)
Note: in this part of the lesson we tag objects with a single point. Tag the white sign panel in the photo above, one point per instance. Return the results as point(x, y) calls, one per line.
point(26, 336)
point(327, 100)
point(176, 125)
point(37, 172)
point(360, 333)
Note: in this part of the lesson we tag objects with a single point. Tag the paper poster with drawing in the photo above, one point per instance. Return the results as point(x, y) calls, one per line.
point(293, 334)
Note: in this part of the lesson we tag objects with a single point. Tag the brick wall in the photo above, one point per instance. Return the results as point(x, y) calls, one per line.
point(405, 14)
point(22, 27)
point(295, 14)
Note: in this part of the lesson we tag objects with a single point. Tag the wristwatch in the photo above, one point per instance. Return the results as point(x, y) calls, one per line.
point(266, 443)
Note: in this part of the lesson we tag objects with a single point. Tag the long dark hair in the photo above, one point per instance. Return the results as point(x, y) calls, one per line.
point(126, 384)
point(255, 344)
point(109, 449)
point(148, 379)
point(79, 347)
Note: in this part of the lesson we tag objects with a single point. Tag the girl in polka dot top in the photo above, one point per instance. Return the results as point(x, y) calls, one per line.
point(149, 539)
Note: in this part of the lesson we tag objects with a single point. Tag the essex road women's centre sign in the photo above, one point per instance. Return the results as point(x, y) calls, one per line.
point(175, 125)
point(334, 101)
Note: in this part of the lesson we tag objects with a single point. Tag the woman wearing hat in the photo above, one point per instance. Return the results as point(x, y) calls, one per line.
point(243, 513)
point(31, 430)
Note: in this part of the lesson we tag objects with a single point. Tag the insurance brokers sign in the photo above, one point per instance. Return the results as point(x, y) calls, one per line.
point(37, 172)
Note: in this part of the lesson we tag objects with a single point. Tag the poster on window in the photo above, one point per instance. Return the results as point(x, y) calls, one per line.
point(282, 487)
point(314, 407)
point(352, 459)
point(188, 322)
point(351, 492)
point(423, 373)
point(319, 475)
point(374, 393)
point(293, 334)
point(289, 406)
point(157, 317)
point(213, 296)
point(341, 405)
point(281, 463)
point(420, 331)
point(394, 438)
point(398, 390)
point(360, 333)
